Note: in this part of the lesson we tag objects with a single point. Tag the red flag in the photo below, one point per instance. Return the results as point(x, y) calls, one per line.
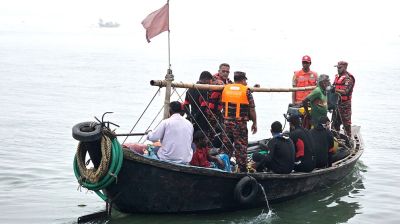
point(156, 22)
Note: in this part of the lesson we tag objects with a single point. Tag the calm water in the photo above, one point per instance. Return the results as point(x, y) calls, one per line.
point(52, 80)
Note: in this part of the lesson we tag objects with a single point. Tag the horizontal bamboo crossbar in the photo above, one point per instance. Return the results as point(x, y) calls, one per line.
point(162, 83)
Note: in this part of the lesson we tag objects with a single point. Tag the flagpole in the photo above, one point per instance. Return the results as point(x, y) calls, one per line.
point(169, 77)
point(169, 41)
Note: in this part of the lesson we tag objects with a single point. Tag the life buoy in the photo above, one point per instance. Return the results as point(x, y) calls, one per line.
point(246, 190)
point(86, 131)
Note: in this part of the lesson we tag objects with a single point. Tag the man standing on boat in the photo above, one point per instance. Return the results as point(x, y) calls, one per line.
point(303, 78)
point(239, 107)
point(318, 100)
point(344, 84)
point(175, 134)
point(196, 105)
point(215, 107)
point(222, 77)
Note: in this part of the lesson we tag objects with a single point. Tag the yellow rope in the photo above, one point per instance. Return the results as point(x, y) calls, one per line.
point(94, 175)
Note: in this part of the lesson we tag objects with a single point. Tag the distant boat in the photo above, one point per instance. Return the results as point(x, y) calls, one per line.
point(108, 24)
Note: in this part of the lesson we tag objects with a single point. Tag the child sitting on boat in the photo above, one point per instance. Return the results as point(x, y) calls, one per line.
point(204, 157)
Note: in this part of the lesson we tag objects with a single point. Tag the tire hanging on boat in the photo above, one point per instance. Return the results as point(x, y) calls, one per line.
point(246, 190)
point(87, 131)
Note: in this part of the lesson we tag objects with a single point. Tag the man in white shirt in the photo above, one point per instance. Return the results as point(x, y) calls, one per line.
point(175, 135)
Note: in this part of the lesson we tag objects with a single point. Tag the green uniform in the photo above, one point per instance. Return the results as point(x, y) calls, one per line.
point(319, 104)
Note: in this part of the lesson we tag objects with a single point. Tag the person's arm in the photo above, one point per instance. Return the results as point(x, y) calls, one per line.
point(349, 86)
point(186, 104)
point(271, 146)
point(310, 98)
point(158, 134)
point(294, 84)
point(253, 118)
point(216, 160)
point(305, 105)
point(252, 112)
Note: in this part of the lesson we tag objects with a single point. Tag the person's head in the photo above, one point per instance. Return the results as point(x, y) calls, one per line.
point(205, 77)
point(175, 107)
point(306, 62)
point(240, 77)
point(323, 81)
point(199, 139)
point(341, 67)
point(276, 127)
point(224, 70)
point(294, 121)
point(324, 122)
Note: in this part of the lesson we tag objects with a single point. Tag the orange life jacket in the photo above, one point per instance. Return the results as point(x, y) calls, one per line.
point(236, 103)
point(340, 84)
point(304, 79)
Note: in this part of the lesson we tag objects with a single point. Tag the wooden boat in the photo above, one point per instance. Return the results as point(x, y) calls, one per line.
point(152, 186)
point(145, 185)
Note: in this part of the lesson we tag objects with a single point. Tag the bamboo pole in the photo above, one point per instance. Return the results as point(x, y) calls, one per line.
point(162, 83)
point(167, 83)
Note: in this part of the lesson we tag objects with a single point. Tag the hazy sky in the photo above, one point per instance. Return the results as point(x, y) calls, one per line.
point(307, 26)
point(301, 16)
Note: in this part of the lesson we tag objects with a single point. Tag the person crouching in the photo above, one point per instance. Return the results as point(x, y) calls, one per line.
point(281, 156)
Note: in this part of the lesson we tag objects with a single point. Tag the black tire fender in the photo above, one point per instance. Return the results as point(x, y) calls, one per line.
point(246, 190)
point(87, 131)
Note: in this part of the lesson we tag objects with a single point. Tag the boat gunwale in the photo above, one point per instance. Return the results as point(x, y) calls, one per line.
point(353, 157)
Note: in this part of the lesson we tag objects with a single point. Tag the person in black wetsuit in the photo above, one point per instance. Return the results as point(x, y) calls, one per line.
point(323, 142)
point(280, 158)
point(301, 137)
point(195, 104)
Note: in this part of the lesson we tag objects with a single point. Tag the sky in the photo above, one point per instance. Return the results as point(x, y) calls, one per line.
point(300, 16)
point(338, 27)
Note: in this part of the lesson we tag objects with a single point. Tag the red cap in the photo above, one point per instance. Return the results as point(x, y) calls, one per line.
point(306, 58)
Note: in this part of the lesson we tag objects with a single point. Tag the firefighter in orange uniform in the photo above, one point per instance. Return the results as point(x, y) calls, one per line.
point(238, 108)
point(303, 78)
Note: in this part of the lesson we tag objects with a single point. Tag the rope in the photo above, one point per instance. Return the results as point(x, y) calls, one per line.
point(193, 118)
point(93, 175)
point(208, 122)
point(142, 114)
point(106, 173)
point(218, 123)
point(148, 128)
